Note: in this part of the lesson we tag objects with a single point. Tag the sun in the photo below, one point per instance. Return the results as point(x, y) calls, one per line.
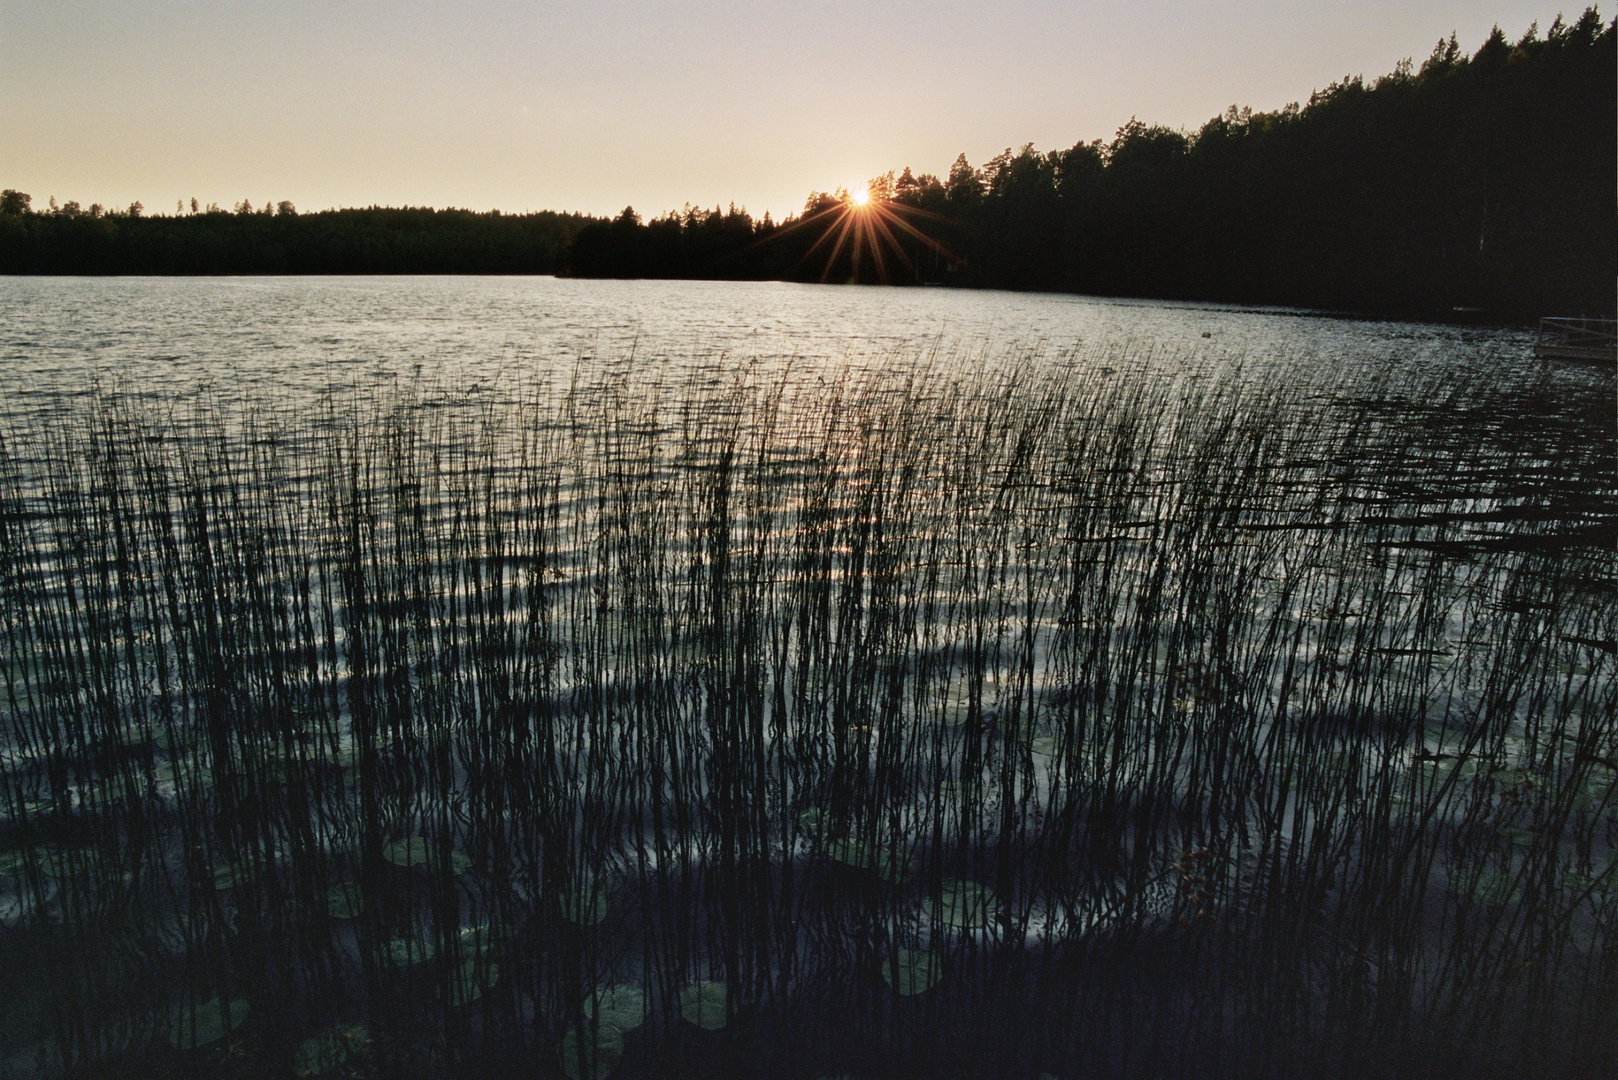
point(863, 222)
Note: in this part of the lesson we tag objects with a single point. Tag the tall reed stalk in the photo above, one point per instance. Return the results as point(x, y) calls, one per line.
point(952, 723)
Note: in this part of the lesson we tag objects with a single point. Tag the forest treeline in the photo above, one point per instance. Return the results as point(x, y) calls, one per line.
point(1480, 183)
point(276, 239)
point(1483, 182)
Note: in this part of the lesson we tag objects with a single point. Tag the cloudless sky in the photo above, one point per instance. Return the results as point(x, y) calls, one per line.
point(595, 104)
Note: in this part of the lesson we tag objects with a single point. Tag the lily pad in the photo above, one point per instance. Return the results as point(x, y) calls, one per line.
point(109, 793)
point(132, 737)
point(962, 904)
point(484, 938)
point(1343, 762)
point(170, 739)
point(345, 902)
point(403, 952)
point(1510, 776)
point(36, 807)
point(1492, 888)
point(60, 864)
point(585, 906)
point(468, 981)
point(964, 791)
point(420, 851)
point(849, 852)
point(332, 1048)
point(344, 754)
point(14, 907)
point(1583, 803)
point(1046, 745)
point(912, 971)
point(705, 1004)
point(411, 851)
point(622, 1007)
point(206, 1024)
point(1599, 884)
point(595, 1055)
point(1433, 771)
point(232, 876)
point(1439, 738)
point(283, 772)
point(183, 775)
point(893, 866)
point(1020, 734)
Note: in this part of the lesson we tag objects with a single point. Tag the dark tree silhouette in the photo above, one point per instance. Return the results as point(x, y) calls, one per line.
point(1483, 183)
point(1478, 184)
point(279, 240)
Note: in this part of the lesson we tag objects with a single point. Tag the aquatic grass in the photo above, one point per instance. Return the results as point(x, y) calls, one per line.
point(591, 1053)
point(706, 1005)
point(1180, 724)
point(206, 1023)
point(331, 1049)
point(911, 971)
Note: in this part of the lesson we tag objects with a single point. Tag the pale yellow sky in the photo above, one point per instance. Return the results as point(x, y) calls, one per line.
point(595, 104)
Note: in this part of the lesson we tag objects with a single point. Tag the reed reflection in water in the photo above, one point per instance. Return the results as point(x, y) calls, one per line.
point(937, 722)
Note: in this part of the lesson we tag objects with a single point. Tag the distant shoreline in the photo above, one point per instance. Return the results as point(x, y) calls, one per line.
point(1475, 188)
point(1239, 307)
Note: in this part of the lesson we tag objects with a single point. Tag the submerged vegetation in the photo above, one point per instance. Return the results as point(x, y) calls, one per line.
point(936, 723)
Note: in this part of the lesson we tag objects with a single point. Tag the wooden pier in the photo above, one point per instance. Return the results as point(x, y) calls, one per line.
point(1594, 340)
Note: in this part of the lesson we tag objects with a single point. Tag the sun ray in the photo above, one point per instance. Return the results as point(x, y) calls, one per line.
point(869, 221)
point(880, 220)
point(861, 229)
point(842, 237)
point(826, 235)
point(924, 238)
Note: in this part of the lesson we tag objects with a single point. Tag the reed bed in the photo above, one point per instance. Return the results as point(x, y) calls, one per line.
point(948, 722)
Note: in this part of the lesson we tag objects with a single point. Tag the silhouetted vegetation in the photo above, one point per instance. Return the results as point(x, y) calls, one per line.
point(70, 239)
point(939, 723)
point(1482, 182)
point(1479, 184)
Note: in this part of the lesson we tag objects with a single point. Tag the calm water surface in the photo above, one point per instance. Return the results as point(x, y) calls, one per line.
point(387, 708)
point(281, 336)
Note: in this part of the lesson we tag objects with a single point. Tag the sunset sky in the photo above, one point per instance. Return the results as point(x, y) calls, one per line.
point(594, 104)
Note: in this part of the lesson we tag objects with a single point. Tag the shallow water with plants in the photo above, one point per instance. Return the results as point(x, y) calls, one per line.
point(1099, 699)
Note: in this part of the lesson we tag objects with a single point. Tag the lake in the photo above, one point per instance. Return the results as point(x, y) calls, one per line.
point(166, 335)
point(429, 677)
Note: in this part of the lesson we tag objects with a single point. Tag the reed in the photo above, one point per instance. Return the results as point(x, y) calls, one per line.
point(952, 721)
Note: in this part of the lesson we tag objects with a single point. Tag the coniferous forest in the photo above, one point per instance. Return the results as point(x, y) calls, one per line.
point(276, 239)
point(522, 678)
point(1481, 184)
point(1475, 182)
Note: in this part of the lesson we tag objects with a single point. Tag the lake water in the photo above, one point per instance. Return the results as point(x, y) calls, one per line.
point(911, 682)
point(279, 336)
